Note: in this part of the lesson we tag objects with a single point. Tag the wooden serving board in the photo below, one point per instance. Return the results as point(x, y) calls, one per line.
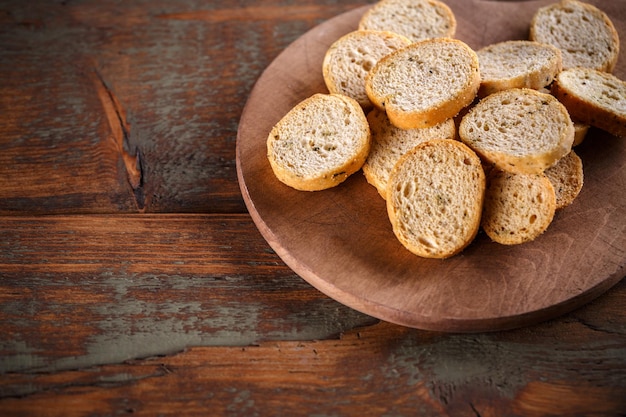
point(340, 240)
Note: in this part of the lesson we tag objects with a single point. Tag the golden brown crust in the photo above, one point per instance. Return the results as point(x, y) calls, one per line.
point(518, 130)
point(517, 64)
point(400, 82)
point(348, 60)
point(313, 147)
point(518, 207)
point(389, 143)
point(435, 197)
point(580, 132)
point(567, 179)
point(435, 18)
point(554, 24)
point(584, 105)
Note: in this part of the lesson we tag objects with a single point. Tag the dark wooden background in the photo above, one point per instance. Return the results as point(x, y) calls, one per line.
point(134, 282)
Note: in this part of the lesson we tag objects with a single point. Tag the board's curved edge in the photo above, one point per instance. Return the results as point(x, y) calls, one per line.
point(387, 313)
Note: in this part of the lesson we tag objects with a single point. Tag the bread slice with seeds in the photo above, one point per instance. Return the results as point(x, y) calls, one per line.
point(517, 64)
point(319, 143)
point(593, 97)
point(518, 130)
point(518, 207)
point(584, 34)
point(425, 83)
point(567, 178)
point(435, 197)
point(349, 59)
point(389, 143)
point(415, 19)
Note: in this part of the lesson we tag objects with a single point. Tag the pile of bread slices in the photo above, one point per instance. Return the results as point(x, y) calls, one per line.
point(455, 139)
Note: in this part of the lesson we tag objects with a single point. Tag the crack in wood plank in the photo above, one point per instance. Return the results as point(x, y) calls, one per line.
point(476, 413)
point(597, 328)
point(120, 134)
point(106, 377)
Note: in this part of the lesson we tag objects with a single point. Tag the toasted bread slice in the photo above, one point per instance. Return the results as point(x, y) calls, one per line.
point(425, 83)
point(517, 64)
point(349, 59)
point(435, 197)
point(319, 143)
point(593, 97)
point(415, 19)
point(584, 34)
point(518, 130)
point(389, 143)
point(567, 178)
point(518, 207)
point(580, 132)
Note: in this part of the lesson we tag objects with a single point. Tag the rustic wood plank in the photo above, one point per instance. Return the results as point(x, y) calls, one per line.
point(133, 106)
point(79, 291)
point(84, 298)
point(562, 367)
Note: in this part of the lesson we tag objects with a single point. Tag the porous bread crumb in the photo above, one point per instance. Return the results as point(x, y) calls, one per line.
point(518, 207)
point(415, 19)
point(584, 34)
point(389, 143)
point(434, 198)
point(424, 83)
point(319, 143)
point(348, 60)
point(518, 130)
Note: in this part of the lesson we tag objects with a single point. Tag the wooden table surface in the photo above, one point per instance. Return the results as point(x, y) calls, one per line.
point(133, 281)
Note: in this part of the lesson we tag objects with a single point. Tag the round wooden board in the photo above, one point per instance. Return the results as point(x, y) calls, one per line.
point(340, 240)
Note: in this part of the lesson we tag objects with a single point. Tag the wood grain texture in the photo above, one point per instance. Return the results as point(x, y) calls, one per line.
point(379, 370)
point(132, 282)
point(134, 107)
point(97, 323)
point(103, 289)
